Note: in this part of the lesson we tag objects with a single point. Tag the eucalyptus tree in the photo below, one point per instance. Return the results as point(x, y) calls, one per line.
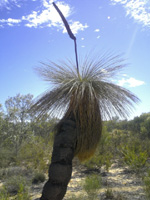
point(17, 119)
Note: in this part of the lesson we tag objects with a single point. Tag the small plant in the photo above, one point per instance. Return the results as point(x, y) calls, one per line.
point(91, 185)
point(38, 178)
point(109, 194)
point(15, 184)
point(23, 193)
point(4, 194)
point(147, 185)
point(120, 197)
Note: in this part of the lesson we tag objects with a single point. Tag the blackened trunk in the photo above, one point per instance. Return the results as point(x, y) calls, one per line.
point(60, 169)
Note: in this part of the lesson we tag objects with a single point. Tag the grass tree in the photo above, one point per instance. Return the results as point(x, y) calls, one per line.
point(83, 100)
point(83, 94)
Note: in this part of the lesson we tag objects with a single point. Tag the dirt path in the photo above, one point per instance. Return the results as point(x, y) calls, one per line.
point(123, 184)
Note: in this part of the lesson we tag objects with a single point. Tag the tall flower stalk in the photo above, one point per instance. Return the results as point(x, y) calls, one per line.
point(71, 35)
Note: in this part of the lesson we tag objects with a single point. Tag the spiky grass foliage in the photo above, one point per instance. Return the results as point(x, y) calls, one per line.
point(87, 97)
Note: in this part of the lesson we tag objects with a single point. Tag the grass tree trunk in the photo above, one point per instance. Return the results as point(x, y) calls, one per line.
point(60, 169)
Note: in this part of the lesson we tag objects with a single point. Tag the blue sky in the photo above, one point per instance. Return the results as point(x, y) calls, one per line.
point(31, 31)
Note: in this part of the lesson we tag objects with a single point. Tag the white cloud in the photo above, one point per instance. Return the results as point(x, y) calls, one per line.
point(98, 36)
point(130, 82)
point(47, 17)
point(82, 38)
point(10, 21)
point(97, 30)
point(76, 26)
point(139, 10)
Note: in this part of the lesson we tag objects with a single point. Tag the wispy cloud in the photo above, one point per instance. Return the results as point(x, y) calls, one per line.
point(10, 21)
point(76, 26)
point(46, 17)
point(97, 30)
point(139, 10)
point(130, 82)
point(8, 4)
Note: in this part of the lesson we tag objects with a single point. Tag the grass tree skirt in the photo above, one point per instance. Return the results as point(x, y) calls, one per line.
point(60, 169)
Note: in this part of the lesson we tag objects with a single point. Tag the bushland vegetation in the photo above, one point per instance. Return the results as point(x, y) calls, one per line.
point(26, 146)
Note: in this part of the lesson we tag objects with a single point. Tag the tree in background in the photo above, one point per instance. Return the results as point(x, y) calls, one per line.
point(17, 118)
point(1, 117)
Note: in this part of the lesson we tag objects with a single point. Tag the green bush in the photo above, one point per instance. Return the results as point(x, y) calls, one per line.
point(109, 194)
point(92, 184)
point(99, 160)
point(38, 178)
point(23, 193)
point(15, 184)
point(4, 194)
point(13, 171)
point(35, 154)
point(135, 158)
point(6, 157)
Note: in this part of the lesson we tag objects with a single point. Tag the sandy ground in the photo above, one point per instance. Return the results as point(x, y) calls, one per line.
point(124, 184)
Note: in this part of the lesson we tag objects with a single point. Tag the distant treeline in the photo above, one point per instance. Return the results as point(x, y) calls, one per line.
point(19, 128)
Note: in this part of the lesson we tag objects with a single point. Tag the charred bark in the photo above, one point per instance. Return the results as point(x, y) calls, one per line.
point(60, 169)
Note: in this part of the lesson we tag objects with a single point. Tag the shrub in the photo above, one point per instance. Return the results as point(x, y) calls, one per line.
point(136, 159)
point(147, 185)
point(4, 194)
point(15, 184)
point(92, 184)
point(109, 194)
point(21, 189)
point(13, 171)
point(23, 193)
point(35, 154)
point(38, 178)
point(6, 157)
